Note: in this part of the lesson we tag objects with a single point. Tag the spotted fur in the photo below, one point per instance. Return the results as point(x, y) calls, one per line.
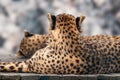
point(33, 42)
point(70, 53)
point(30, 44)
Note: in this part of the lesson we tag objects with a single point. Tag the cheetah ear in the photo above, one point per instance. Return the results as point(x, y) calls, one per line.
point(27, 33)
point(52, 20)
point(79, 21)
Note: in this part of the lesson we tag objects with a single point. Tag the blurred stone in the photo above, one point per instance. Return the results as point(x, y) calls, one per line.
point(2, 40)
point(118, 17)
point(102, 17)
point(99, 3)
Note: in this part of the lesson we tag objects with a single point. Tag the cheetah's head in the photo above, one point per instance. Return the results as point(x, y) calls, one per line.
point(65, 24)
point(30, 44)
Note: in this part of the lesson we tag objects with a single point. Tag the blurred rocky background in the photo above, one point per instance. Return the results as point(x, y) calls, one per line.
point(102, 17)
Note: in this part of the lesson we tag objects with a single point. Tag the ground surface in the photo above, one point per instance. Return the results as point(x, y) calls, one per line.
point(9, 57)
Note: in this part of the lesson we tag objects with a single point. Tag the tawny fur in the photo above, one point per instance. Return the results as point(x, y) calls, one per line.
point(71, 53)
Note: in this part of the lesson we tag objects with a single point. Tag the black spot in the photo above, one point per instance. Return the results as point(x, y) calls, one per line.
point(105, 50)
point(60, 49)
point(13, 70)
point(81, 65)
point(64, 24)
point(66, 60)
point(97, 62)
point(53, 60)
point(71, 64)
point(69, 33)
point(59, 72)
point(58, 56)
point(67, 66)
point(77, 61)
point(72, 72)
point(60, 67)
point(68, 51)
point(74, 67)
point(53, 64)
point(64, 55)
point(59, 52)
point(72, 32)
point(75, 50)
point(70, 56)
point(58, 61)
point(50, 40)
point(68, 24)
point(107, 46)
point(89, 69)
point(19, 69)
point(71, 46)
point(41, 68)
point(78, 70)
point(47, 56)
point(61, 24)
point(30, 62)
point(11, 67)
point(16, 64)
point(112, 49)
point(4, 70)
point(1, 67)
point(53, 47)
point(4, 63)
point(72, 42)
point(85, 66)
point(48, 61)
point(32, 59)
point(69, 70)
point(46, 66)
point(42, 58)
point(71, 51)
point(66, 31)
point(62, 62)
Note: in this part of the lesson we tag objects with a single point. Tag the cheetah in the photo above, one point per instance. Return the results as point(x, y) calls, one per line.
point(33, 42)
point(70, 53)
